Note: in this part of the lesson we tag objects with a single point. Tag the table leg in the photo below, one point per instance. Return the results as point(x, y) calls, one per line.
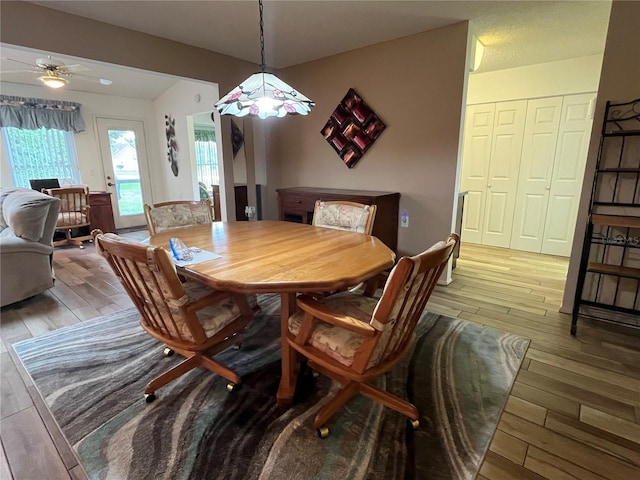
point(289, 355)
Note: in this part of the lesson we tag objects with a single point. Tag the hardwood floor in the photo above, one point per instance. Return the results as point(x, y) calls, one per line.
point(573, 413)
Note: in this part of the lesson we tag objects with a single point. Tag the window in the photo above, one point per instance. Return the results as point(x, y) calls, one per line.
point(206, 158)
point(43, 153)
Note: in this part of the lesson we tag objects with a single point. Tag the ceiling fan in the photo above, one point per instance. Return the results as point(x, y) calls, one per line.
point(54, 73)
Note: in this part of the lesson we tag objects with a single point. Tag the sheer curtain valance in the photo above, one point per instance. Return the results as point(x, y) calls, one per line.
point(35, 113)
point(204, 135)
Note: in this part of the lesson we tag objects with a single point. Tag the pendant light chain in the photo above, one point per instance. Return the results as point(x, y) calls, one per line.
point(262, 65)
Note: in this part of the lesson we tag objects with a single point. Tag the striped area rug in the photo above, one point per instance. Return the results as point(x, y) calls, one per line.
point(92, 376)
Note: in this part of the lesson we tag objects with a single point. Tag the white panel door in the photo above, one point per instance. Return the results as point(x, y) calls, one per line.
point(476, 154)
point(508, 128)
point(568, 173)
point(534, 183)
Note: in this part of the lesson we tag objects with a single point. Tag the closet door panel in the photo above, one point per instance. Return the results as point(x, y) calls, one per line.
point(534, 182)
point(476, 155)
point(568, 173)
point(503, 172)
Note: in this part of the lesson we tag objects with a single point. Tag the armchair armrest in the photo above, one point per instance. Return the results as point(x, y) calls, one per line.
point(205, 301)
point(321, 312)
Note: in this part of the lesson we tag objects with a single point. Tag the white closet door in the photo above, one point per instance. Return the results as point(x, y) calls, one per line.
point(534, 183)
point(476, 155)
point(503, 172)
point(568, 173)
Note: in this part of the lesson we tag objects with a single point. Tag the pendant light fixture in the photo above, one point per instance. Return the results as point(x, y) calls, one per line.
point(263, 94)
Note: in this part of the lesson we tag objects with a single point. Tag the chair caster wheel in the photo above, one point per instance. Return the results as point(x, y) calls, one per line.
point(415, 424)
point(323, 432)
point(232, 387)
point(168, 352)
point(149, 397)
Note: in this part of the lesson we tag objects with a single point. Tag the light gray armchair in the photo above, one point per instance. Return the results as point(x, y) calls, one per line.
point(27, 223)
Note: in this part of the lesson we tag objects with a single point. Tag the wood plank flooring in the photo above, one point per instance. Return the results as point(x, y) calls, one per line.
point(573, 412)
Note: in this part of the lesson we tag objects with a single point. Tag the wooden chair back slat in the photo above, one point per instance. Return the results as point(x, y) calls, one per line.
point(405, 297)
point(74, 212)
point(151, 281)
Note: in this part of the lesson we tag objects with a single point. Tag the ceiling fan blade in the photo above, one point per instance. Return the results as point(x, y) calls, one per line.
point(89, 78)
point(74, 68)
point(18, 61)
point(18, 71)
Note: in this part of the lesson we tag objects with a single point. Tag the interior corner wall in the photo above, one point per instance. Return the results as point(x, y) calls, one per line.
point(565, 77)
point(619, 82)
point(183, 99)
point(416, 86)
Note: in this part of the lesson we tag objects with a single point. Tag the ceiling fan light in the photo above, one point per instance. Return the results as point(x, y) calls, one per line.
point(53, 81)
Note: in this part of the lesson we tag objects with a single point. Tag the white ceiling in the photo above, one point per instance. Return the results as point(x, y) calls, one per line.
point(515, 33)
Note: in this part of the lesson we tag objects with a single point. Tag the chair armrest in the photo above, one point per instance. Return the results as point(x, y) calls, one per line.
point(322, 312)
point(204, 302)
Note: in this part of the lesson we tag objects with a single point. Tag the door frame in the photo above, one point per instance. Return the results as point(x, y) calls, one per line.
point(103, 124)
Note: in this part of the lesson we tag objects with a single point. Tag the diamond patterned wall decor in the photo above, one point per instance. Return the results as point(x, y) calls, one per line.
point(352, 128)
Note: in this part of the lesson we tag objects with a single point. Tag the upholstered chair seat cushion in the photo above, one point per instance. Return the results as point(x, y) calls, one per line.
point(338, 343)
point(215, 317)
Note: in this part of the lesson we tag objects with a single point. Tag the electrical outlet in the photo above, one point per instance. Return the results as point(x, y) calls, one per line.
point(404, 219)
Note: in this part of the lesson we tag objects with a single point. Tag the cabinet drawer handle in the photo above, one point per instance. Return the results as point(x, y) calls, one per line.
point(298, 201)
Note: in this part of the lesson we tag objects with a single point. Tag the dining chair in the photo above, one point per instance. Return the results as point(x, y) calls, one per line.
point(354, 339)
point(74, 214)
point(188, 317)
point(344, 215)
point(180, 213)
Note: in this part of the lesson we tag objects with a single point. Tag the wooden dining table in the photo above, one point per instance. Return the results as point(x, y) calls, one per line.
point(286, 258)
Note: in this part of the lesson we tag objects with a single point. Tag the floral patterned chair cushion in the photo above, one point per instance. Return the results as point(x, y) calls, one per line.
point(338, 343)
point(342, 217)
point(176, 215)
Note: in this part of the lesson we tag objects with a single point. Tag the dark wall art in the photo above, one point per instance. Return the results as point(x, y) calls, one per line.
point(172, 145)
point(237, 138)
point(352, 128)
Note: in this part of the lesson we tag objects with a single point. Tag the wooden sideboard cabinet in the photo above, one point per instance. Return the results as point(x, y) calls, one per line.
point(101, 215)
point(296, 205)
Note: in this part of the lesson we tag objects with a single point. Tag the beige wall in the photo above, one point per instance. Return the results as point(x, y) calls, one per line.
point(416, 86)
point(619, 82)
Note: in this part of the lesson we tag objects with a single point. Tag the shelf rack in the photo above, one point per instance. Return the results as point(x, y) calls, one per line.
point(609, 278)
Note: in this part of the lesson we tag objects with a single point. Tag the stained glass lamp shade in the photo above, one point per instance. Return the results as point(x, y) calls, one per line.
point(264, 95)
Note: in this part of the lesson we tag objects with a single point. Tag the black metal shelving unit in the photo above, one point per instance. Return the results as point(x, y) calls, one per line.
point(609, 278)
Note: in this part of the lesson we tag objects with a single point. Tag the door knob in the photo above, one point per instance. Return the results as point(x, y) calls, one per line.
point(548, 187)
point(109, 184)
